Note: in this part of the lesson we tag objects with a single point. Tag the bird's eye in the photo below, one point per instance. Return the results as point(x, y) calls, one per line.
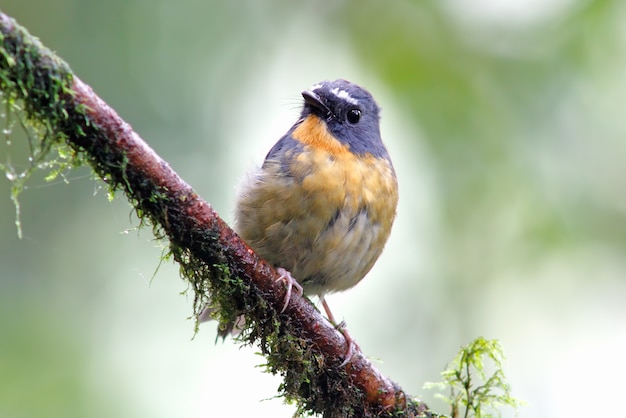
point(354, 115)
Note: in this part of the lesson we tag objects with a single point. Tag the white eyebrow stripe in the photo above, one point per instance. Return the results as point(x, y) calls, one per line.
point(316, 86)
point(342, 94)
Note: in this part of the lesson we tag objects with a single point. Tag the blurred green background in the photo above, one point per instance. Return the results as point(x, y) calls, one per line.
point(506, 125)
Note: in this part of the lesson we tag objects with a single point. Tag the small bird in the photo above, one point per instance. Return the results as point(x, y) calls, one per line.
point(321, 206)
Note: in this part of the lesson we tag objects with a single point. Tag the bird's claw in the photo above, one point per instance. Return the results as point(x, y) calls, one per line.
point(352, 349)
point(291, 283)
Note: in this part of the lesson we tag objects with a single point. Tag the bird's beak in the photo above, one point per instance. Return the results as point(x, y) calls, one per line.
point(314, 100)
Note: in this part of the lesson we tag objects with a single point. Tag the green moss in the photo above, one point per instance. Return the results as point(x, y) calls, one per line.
point(35, 88)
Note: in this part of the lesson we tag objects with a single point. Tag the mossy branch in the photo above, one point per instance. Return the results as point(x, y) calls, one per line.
point(298, 344)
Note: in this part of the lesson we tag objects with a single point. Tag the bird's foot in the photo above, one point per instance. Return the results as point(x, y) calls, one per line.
point(291, 283)
point(352, 347)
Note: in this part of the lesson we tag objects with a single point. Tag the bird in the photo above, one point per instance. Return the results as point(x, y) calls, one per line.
point(321, 206)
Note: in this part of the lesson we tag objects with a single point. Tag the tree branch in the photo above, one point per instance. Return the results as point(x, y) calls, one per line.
point(299, 343)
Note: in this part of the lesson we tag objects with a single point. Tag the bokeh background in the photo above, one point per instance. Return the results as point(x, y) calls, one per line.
point(505, 120)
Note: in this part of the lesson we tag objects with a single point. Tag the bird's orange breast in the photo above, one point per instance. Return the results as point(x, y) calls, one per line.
point(327, 167)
